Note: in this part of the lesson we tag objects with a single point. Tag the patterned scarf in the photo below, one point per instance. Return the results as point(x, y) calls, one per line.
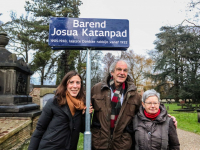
point(73, 103)
point(115, 102)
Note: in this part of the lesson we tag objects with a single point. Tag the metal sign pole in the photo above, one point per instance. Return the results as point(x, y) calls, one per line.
point(87, 133)
point(101, 34)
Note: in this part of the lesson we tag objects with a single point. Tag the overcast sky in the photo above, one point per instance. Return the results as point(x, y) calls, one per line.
point(145, 16)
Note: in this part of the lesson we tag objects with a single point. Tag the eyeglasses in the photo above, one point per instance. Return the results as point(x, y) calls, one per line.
point(150, 103)
point(120, 70)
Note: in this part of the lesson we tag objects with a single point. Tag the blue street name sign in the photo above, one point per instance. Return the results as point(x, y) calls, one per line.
point(82, 33)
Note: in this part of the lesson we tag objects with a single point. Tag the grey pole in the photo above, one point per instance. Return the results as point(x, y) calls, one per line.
point(87, 133)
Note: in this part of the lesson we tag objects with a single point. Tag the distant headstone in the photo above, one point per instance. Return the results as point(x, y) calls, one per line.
point(182, 102)
point(172, 100)
point(198, 114)
point(44, 99)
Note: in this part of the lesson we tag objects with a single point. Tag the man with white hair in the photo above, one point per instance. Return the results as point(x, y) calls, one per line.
point(115, 101)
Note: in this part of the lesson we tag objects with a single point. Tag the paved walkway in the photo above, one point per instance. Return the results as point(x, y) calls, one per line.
point(188, 140)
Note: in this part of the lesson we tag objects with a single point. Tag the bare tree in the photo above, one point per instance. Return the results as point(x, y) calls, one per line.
point(108, 59)
point(139, 65)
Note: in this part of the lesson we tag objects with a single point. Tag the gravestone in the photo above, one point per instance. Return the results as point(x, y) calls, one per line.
point(198, 115)
point(14, 85)
point(45, 98)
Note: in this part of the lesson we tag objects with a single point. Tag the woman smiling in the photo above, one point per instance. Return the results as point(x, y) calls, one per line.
point(62, 117)
point(153, 129)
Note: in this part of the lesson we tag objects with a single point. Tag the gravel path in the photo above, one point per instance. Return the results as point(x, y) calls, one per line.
point(188, 140)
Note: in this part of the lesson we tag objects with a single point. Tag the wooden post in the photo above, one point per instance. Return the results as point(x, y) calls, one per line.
point(198, 114)
point(167, 108)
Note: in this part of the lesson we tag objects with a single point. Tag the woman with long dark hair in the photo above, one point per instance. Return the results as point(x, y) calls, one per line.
point(62, 117)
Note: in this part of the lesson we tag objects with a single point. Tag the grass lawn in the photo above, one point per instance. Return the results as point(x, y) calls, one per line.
point(187, 121)
point(80, 142)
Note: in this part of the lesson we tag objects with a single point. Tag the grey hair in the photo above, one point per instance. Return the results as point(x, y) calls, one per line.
point(113, 65)
point(149, 93)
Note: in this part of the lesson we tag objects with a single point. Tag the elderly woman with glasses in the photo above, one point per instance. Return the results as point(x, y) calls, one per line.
point(153, 129)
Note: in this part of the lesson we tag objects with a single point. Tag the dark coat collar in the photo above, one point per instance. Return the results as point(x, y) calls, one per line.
point(64, 108)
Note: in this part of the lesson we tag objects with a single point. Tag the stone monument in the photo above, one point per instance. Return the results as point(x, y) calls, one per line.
point(14, 85)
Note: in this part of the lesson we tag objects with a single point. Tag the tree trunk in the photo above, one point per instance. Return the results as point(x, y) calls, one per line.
point(176, 77)
point(26, 50)
point(66, 64)
point(42, 76)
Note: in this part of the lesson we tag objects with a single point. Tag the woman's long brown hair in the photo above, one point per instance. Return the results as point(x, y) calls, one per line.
point(62, 88)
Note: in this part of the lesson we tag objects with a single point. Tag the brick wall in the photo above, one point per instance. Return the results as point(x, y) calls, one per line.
point(38, 93)
point(35, 94)
point(19, 130)
point(34, 123)
point(15, 131)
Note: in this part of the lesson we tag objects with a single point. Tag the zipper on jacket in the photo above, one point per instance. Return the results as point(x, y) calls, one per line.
point(108, 110)
point(124, 104)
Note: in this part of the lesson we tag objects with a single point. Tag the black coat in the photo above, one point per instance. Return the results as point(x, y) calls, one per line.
point(56, 128)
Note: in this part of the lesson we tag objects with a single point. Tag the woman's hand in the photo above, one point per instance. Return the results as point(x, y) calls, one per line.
point(90, 110)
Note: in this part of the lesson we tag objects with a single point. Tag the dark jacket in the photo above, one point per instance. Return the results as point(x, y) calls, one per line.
point(101, 100)
point(148, 133)
point(56, 128)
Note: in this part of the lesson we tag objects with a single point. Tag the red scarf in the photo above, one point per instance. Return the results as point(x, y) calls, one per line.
point(151, 116)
